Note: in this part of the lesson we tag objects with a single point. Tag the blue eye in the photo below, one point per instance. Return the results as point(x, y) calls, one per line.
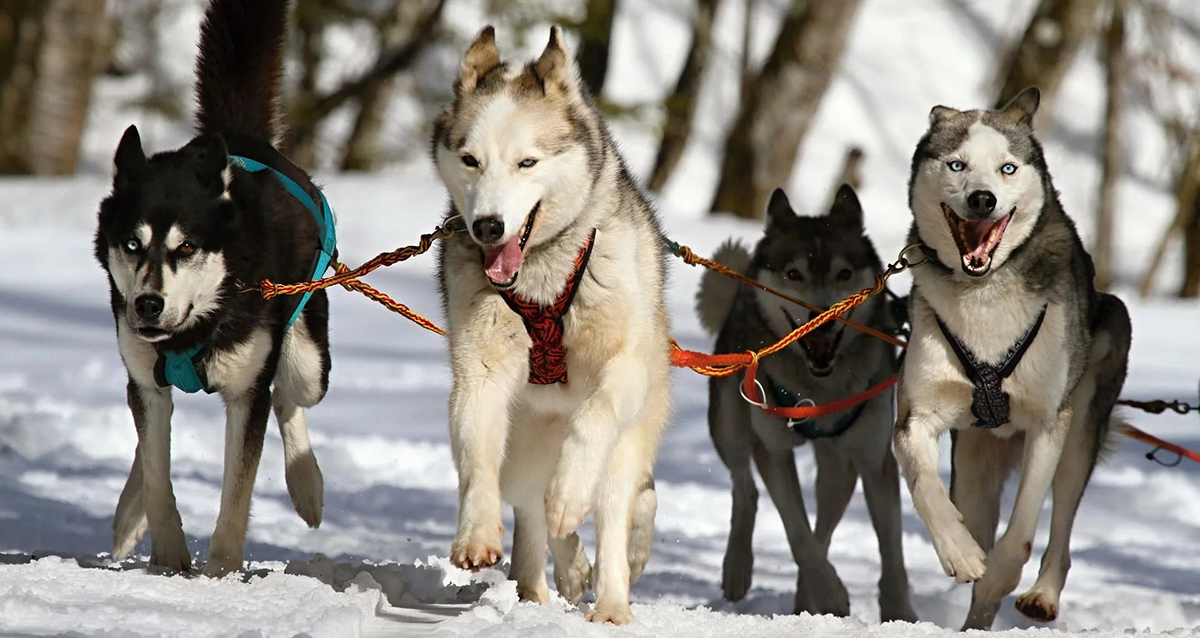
point(528, 162)
point(1008, 169)
point(956, 165)
point(132, 245)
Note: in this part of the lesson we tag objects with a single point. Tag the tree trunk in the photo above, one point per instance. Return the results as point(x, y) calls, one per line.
point(58, 48)
point(595, 34)
point(309, 110)
point(1047, 49)
point(1191, 255)
point(681, 104)
point(1187, 197)
point(761, 149)
point(1110, 173)
point(20, 39)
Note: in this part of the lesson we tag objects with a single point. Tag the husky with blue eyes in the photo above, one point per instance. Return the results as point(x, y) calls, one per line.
point(1013, 350)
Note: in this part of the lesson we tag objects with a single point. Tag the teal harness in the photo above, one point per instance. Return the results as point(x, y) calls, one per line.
point(185, 369)
point(807, 428)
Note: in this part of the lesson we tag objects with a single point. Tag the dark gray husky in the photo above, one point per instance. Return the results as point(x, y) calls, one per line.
point(820, 260)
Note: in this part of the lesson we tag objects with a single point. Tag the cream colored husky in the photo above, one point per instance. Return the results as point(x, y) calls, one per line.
point(559, 340)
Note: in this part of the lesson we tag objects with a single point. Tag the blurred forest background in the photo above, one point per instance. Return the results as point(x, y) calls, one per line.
point(365, 78)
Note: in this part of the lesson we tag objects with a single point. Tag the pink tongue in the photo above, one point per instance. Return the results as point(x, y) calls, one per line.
point(976, 237)
point(501, 263)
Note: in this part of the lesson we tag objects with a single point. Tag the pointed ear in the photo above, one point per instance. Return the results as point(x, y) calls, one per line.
point(129, 162)
point(779, 209)
point(1022, 108)
point(939, 114)
point(210, 161)
point(480, 58)
point(555, 66)
point(846, 209)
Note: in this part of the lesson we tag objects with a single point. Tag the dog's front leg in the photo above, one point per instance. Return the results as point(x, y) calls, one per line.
point(916, 438)
point(245, 427)
point(152, 408)
point(479, 422)
point(1043, 449)
point(595, 427)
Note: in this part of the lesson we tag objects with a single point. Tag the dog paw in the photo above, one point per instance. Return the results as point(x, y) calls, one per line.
point(960, 555)
point(574, 579)
point(306, 487)
point(891, 608)
point(1038, 605)
point(220, 565)
point(478, 548)
point(737, 573)
point(170, 553)
point(568, 502)
point(611, 613)
point(539, 594)
point(828, 594)
point(1003, 573)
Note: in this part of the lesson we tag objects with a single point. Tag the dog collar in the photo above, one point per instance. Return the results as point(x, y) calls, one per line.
point(989, 403)
point(544, 324)
point(807, 428)
point(185, 369)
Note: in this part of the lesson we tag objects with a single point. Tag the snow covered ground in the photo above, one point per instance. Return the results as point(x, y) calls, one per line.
point(66, 439)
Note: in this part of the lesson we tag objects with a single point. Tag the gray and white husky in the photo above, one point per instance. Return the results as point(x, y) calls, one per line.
point(821, 260)
point(1012, 349)
point(559, 342)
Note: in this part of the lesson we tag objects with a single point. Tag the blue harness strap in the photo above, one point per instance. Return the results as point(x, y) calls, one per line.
point(185, 369)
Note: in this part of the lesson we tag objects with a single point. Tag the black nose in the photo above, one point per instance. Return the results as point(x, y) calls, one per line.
point(488, 229)
point(981, 202)
point(148, 306)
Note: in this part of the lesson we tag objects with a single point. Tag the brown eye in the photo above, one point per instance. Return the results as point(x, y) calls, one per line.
point(794, 275)
point(185, 249)
point(469, 161)
point(844, 274)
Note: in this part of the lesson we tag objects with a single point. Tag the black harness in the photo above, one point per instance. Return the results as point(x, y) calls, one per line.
point(989, 402)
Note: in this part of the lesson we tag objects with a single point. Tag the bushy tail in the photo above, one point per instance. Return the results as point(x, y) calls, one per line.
point(715, 297)
point(240, 67)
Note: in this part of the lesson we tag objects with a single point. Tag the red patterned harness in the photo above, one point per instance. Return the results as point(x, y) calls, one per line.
point(547, 354)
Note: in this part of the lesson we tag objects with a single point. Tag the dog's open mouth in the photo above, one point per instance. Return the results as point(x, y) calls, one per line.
point(502, 262)
point(977, 239)
point(819, 346)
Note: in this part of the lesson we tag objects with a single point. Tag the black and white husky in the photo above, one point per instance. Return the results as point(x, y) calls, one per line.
point(181, 235)
point(1012, 349)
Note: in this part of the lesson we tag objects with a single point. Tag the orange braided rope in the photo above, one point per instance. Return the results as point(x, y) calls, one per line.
point(713, 365)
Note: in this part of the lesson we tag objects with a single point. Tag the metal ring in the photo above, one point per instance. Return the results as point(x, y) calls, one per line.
point(912, 264)
point(761, 392)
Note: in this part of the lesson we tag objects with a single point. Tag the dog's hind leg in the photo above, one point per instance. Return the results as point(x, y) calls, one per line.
point(981, 464)
point(572, 571)
point(836, 478)
point(529, 553)
point(305, 485)
point(729, 427)
point(245, 426)
point(130, 522)
point(818, 588)
point(1093, 402)
point(881, 489)
point(152, 409)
